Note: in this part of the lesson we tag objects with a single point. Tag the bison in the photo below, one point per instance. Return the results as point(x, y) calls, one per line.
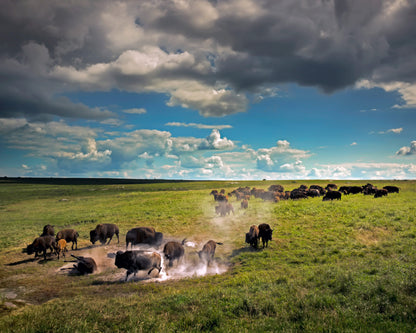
point(143, 235)
point(85, 265)
point(174, 251)
point(252, 236)
point(208, 251)
point(61, 247)
point(41, 244)
point(380, 193)
point(48, 230)
point(391, 189)
point(224, 208)
point(104, 231)
point(244, 204)
point(135, 261)
point(70, 235)
point(265, 233)
point(332, 195)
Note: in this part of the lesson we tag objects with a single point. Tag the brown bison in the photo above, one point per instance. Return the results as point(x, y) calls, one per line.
point(174, 251)
point(244, 204)
point(41, 244)
point(332, 195)
point(224, 208)
point(143, 235)
point(70, 235)
point(252, 236)
point(208, 251)
point(265, 233)
point(135, 261)
point(85, 265)
point(61, 247)
point(104, 231)
point(48, 230)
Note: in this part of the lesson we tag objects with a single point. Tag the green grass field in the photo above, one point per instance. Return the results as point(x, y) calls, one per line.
point(342, 266)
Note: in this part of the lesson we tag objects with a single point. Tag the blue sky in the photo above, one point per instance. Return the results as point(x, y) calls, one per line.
point(208, 89)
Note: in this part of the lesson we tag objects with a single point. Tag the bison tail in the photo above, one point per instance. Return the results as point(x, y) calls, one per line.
point(183, 241)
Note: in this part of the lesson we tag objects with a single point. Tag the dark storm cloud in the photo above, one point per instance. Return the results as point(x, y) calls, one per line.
point(215, 51)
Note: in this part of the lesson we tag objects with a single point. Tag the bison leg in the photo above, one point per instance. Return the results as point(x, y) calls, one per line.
point(111, 237)
point(118, 239)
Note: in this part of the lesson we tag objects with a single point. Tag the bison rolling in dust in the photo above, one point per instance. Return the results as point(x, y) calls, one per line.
point(85, 265)
point(41, 244)
point(104, 231)
point(174, 251)
point(208, 251)
point(143, 235)
point(135, 261)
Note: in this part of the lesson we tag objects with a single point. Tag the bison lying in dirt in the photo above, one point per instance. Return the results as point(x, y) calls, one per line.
point(104, 231)
point(135, 261)
point(174, 251)
point(70, 235)
point(143, 235)
point(85, 265)
point(208, 251)
point(41, 244)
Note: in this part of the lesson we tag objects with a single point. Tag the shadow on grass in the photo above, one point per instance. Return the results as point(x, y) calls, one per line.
point(246, 249)
point(20, 262)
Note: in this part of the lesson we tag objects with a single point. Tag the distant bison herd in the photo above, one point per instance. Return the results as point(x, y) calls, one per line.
point(276, 193)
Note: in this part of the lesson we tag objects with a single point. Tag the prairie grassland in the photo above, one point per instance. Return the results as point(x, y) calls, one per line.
point(337, 266)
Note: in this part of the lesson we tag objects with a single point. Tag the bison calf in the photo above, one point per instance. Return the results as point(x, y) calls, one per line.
point(104, 231)
point(70, 235)
point(61, 247)
point(208, 251)
point(135, 261)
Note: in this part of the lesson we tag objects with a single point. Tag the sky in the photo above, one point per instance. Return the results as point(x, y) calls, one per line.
point(208, 89)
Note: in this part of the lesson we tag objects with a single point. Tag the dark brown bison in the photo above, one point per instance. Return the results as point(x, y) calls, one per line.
point(85, 265)
point(265, 233)
point(312, 192)
point(276, 188)
point(391, 189)
point(41, 244)
point(174, 251)
point(331, 187)
point(143, 235)
point(380, 193)
point(48, 230)
point(355, 189)
point(252, 236)
point(135, 261)
point(332, 195)
point(104, 231)
point(319, 188)
point(208, 251)
point(70, 235)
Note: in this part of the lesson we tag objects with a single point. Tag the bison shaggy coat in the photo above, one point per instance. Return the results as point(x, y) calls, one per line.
point(70, 235)
point(41, 244)
point(380, 193)
point(174, 251)
point(391, 189)
point(252, 236)
point(143, 235)
point(208, 251)
point(104, 231)
point(265, 233)
point(135, 261)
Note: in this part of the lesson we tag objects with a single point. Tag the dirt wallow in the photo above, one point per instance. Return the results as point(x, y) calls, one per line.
point(106, 270)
